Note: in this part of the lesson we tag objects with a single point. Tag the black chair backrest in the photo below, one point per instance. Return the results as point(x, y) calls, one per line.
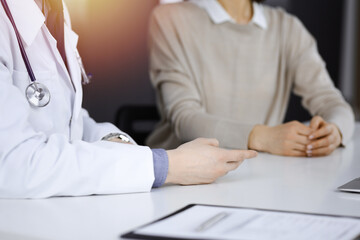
point(137, 120)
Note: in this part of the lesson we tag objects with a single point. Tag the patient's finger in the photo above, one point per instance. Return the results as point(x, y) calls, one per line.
point(324, 151)
point(316, 122)
point(322, 142)
point(323, 131)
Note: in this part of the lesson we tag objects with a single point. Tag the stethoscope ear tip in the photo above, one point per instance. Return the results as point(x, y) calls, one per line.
point(87, 78)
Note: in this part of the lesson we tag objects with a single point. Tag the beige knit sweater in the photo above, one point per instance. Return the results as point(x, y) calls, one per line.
point(219, 80)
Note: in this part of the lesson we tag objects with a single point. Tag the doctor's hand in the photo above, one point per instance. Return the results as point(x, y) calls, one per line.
point(289, 139)
point(326, 137)
point(202, 161)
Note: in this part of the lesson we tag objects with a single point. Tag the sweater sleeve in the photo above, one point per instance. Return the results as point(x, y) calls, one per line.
point(312, 81)
point(179, 95)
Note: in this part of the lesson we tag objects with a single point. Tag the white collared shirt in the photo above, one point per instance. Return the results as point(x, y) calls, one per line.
point(219, 15)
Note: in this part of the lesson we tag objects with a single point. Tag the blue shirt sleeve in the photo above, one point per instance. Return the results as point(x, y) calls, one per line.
point(161, 166)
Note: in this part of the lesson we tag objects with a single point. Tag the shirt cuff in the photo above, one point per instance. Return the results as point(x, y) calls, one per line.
point(161, 166)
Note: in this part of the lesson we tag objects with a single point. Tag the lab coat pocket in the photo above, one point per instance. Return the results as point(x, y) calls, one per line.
point(38, 116)
point(22, 79)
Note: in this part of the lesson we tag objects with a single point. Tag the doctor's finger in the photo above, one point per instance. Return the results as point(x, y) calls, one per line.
point(237, 155)
point(230, 166)
point(208, 141)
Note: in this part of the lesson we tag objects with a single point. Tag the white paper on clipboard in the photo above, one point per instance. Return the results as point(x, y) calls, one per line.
point(252, 224)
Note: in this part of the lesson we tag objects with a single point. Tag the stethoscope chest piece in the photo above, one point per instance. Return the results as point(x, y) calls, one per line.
point(37, 94)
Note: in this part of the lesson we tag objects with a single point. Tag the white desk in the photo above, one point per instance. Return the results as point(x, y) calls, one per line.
point(271, 182)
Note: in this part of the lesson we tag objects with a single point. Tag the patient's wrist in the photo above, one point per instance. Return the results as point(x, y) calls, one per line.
point(257, 138)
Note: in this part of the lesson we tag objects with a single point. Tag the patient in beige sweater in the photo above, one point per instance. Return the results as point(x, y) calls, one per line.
point(225, 69)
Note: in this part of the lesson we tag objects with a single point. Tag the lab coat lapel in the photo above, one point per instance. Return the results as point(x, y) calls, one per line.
point(71, 40)
point(59, 60)
point(28, 19)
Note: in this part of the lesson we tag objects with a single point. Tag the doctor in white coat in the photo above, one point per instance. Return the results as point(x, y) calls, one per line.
point(57, 150)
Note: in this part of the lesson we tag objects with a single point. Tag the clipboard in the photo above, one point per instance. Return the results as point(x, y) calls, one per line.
point(352, 186)
point(133, 235)
point(137, 234)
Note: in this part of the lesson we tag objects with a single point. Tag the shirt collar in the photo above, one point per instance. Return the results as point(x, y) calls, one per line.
point(219, 15)
point(28, 18)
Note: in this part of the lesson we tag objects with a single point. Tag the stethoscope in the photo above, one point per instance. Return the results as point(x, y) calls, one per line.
point(37, 94)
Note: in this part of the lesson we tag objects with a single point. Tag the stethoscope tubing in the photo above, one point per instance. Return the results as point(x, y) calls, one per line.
point(21, 45)
point(37, 94)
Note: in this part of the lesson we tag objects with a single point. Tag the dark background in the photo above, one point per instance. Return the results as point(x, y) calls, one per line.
point(113, 44)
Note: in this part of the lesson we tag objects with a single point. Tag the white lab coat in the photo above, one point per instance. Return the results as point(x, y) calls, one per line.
point(56, 150)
